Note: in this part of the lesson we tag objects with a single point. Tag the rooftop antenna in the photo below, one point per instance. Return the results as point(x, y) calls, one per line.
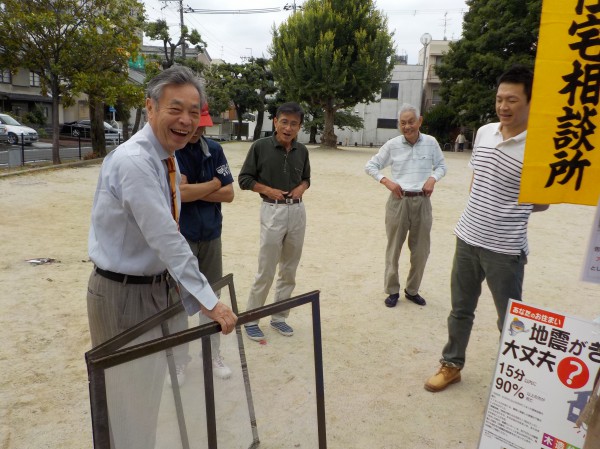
point(445, 24)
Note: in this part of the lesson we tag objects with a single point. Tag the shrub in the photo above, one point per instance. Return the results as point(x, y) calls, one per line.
point(35, 117)
point(91, 155)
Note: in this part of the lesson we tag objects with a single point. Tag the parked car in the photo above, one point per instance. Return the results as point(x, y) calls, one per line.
point(83, 128)
point(16, 131)
point(3, 134)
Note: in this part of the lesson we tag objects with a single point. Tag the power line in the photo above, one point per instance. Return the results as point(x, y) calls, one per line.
point(224, 47)
point(231, 11)
point(190, 10)
point(415, 12)
point(213, 39)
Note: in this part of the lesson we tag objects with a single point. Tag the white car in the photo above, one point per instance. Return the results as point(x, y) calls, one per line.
point(3, 134)
point(16, 131)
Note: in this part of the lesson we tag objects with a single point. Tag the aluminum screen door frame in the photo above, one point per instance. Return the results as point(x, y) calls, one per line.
point(111, 353)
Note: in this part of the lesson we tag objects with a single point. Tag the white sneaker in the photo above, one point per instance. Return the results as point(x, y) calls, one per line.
point(180, 370)
point(220, 370)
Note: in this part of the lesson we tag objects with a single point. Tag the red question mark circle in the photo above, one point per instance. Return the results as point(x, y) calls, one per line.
point(573, 373)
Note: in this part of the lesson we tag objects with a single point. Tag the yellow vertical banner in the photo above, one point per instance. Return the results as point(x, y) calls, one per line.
point(562, 152)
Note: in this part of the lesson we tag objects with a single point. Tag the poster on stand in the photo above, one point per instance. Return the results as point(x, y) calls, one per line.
point(545, 371)
point(591, 267)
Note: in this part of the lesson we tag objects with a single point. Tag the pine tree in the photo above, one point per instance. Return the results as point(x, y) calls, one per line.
point(496, 35)
point(333, 54)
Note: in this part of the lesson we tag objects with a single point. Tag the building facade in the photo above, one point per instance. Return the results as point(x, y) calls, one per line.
point(416, 84)
point(434, 56)
point(20, 93)
point(380, 118)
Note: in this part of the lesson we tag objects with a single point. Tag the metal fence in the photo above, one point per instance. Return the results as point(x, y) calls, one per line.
point(39, 152)
point(116, 352)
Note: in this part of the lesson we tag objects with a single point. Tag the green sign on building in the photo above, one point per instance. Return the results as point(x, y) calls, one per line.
point(139, 63)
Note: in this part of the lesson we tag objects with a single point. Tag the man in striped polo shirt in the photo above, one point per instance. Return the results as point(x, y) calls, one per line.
point(491, 234)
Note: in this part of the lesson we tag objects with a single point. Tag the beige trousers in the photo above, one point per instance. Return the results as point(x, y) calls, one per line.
point(133, 389)
point(282, 228)
point(412, 217)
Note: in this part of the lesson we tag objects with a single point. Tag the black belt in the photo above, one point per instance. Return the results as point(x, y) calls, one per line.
point(286, 201)
point(409, 194)
point(130, 279)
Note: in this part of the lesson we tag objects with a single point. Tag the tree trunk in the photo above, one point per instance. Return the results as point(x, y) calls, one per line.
point(125, 122)
point(55, 128)
point(313, 135)
point(97, 125)
point(329, 139)
point(260, 116)
point(138, 119)
point(239, 133)
point(239, 113)
point(124, 115)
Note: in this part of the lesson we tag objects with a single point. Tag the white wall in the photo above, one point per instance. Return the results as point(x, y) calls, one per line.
point(408, 79)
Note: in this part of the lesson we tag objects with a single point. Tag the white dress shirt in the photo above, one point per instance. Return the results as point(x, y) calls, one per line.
point(132, 229)
point(411, 164)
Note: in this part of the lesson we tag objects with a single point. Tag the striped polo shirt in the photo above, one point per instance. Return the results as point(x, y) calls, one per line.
point(493, 218)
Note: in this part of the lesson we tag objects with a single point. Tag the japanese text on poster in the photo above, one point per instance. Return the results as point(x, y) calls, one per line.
point(544, 376)
point(562, 154)
point(591, 266)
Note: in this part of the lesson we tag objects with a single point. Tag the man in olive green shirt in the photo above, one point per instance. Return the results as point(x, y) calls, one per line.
point(278, 169)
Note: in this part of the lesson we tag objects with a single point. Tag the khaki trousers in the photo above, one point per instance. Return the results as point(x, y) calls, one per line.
point(282, 228)
point(133, 389)
point(210, 262)
point(412, 217)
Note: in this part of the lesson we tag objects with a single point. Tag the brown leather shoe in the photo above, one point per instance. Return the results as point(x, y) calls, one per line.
point(446, 375)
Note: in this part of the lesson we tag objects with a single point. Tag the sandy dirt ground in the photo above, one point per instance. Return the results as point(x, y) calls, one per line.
point(375, 359)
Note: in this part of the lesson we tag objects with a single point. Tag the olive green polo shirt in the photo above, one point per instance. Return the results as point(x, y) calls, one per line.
point(270, 164)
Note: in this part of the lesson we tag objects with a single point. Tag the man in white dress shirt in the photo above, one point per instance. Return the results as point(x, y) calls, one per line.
point(417, 163)
point(134, 241)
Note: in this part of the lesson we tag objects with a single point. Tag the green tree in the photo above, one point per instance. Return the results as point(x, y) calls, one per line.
point(216, 89)
point(314, 122)
point(132, 96)
point(152, 68)
point(265, 85)
point(314, 118)
point(335, 54)
point(496, 35)
point(159, 31)
point(236, 84)
point(108, 81)
point(439, 122)
point(57, 39)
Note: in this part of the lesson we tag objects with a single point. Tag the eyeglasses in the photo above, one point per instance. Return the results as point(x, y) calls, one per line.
point(286, 123)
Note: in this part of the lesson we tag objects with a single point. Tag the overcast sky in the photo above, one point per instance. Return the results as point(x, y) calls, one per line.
point(235, 36)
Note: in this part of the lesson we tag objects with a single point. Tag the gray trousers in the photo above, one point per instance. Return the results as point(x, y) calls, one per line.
point(504, 274)
point(210, 261)
point(282, 229)
point(407, 216)
point(133, 389)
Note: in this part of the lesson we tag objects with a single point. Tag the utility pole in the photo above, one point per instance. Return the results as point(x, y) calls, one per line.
point(445, 24)
point(181, 24)
point(293, 6)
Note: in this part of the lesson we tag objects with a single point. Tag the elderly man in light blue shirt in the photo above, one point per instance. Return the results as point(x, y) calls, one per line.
point(134, 241)
point(417, 163)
